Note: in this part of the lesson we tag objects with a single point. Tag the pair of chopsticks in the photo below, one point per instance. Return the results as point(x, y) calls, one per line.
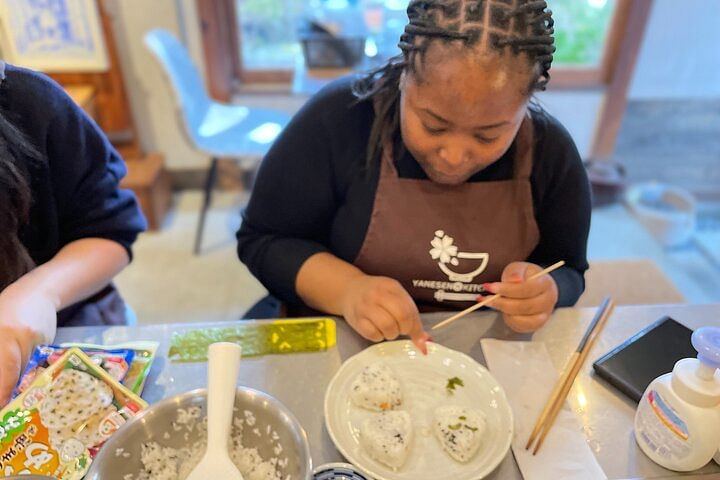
point(565, 382)
point(492, 298)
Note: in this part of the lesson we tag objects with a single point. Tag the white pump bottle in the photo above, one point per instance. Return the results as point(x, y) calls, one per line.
point(677, 423)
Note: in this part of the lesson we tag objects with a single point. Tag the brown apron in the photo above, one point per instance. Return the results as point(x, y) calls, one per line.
point(443, 242)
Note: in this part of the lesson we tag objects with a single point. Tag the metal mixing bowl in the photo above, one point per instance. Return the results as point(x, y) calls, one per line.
point(151, 425)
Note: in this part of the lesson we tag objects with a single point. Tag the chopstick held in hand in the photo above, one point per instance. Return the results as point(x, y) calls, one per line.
point(492, 298)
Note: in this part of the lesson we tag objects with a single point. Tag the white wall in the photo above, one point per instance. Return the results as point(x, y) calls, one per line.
point(577, 110)
point(151, 98)
point(680, 56)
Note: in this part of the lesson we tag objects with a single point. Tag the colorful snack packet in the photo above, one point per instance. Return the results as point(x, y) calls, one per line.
point(56, 426)
point(116, 362)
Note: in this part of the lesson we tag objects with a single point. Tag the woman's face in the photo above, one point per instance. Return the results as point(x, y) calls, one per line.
point(462, 112)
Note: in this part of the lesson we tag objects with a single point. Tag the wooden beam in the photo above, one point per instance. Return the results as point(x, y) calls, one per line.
point(632, 21)
point(564, 78)
point(218, 20)
point(614, 40)
point(266, 76)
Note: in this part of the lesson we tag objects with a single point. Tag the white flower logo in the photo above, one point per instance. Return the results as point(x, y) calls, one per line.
point(443, 248)
point(447, 256)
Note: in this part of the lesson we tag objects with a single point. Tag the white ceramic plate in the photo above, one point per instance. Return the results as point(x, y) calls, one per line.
point(423, 380)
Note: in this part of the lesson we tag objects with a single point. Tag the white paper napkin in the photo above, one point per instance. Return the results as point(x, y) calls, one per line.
point(527, 374)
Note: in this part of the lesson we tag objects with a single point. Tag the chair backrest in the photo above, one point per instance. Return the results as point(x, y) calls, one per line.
point(184, 77)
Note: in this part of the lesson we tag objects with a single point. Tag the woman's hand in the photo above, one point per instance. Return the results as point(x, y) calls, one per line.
point(526, 304)
point(18, 309)
point(379, 308)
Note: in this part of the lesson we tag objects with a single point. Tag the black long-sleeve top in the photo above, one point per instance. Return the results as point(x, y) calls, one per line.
point(313, 194)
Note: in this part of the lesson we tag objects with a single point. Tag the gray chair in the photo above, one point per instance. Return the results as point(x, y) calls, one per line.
point(215, 129)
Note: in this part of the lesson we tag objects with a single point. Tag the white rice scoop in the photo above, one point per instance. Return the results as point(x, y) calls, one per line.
point(223, 367)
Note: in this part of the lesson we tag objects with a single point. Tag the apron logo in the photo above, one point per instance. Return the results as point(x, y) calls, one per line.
point(446, 253)
point(459, 287)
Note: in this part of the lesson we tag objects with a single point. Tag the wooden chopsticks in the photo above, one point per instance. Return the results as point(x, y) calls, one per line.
point(562, 388)
point(492, 298)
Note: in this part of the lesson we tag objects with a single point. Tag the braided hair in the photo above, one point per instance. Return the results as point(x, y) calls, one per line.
point(15, 201)
point(517, 26)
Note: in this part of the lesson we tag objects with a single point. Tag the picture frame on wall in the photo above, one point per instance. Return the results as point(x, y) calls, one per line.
point(53, 36)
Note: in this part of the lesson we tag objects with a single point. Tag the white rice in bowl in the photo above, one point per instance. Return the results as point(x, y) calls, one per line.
point(167, 463)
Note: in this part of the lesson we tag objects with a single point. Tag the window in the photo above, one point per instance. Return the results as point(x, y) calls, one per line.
point(581, 30)
point(269, 29)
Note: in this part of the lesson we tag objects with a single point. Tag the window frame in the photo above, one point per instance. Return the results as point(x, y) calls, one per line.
point(221, 37)
point(225, 72)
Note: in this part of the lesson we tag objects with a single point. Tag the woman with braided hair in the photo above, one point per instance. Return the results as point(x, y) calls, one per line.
point(427, 183)
point(65, 226)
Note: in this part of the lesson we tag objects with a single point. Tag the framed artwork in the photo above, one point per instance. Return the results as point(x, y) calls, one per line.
point(53, 36)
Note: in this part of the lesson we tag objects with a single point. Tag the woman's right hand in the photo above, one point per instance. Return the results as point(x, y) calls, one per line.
point(21, 307)
point(16, 343)
point(379, 308)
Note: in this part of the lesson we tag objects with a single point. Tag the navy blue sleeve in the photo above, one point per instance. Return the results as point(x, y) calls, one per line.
point(290, 212)
point(86, 171)
point(562, 209)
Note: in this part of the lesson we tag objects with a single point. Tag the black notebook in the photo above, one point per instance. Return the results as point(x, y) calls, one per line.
point(648, 354)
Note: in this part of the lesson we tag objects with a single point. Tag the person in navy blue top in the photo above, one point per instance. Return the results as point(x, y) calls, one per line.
point(66, 228)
